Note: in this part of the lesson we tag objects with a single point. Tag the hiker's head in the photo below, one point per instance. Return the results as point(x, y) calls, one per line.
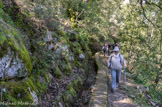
point(116, 50)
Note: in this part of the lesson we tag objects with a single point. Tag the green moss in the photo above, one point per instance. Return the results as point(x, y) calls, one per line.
point(23, 53)
point(89, 53)
point(57, 73)
point(83, 43)
point(2, 39)
point(40, 79)
point(67, 105)
point(70, 95)
point(68, 98)
point(79, 51)
point(76, 63)
point(72, 92)
point(67, 69)
point(29, 82)
point(63, 40)
point(61, 32)
point(75, 45)
point(76, 85)
point(47, 77)
point(72, 37)
point(18, 91)
point(11, 37)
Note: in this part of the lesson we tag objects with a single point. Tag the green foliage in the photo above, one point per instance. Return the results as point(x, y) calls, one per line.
point(19, 89)
point(141, 41)
point(67, 69)
point(137, 96)
point(1, 4)
point(57, 73)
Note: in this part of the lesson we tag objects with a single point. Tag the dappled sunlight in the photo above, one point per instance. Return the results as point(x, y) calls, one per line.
point(124, 103)
point(128, 101)
point(130, 84)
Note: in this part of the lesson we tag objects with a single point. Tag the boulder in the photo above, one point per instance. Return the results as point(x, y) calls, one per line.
point(11, 66)
point(61, 50)
point(49, 37)
point(34, 96)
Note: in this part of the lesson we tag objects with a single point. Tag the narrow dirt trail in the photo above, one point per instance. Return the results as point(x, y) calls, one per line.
point(120, 97)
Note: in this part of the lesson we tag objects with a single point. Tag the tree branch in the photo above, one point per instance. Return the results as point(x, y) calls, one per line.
point(148, 3)
point(145, 13)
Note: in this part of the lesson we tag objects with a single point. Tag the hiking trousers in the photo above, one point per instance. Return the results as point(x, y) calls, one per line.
point(104, 52)
point(115, 78)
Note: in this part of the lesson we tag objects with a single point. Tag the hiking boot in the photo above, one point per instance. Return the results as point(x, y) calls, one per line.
point(117, 85)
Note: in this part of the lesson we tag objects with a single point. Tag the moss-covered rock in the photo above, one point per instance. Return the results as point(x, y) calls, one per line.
point(18, 91)
point(11, 41)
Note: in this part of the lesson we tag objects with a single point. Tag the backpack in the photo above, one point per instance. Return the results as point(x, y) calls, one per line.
point(104, 48)
point(111, 59)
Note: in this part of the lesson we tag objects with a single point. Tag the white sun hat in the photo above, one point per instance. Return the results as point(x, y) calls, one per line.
point(116, 49)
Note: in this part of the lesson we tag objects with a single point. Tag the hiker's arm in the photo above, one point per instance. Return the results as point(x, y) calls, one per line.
point(108, 61)
point(123, 61)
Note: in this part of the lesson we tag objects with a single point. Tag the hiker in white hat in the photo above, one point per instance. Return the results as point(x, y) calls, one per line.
point(115, 63)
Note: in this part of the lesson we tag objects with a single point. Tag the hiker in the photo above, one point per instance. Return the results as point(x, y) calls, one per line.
point(107, 48)
point(111, 48)
point(115, 63)
point(104, 49)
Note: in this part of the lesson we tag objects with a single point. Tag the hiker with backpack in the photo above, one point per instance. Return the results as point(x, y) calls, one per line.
point(115, 63)
point(107, 48)
point(104, 49)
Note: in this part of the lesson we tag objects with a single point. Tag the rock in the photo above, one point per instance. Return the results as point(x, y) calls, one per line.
point(4, 90)
point(51, 46)
point(49, 37)
point(40, 7)
point(19, 95)
point(152, 103)
point(60, 104)
point(81, 56)
point(34, 96)
point(61, 50)
point(58, 52)
point(148, 96)
point(11, 66)
point(71, 58)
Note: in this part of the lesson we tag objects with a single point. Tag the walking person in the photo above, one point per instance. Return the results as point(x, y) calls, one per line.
point(104, 49)
point(115, 63)
point(107, 48)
